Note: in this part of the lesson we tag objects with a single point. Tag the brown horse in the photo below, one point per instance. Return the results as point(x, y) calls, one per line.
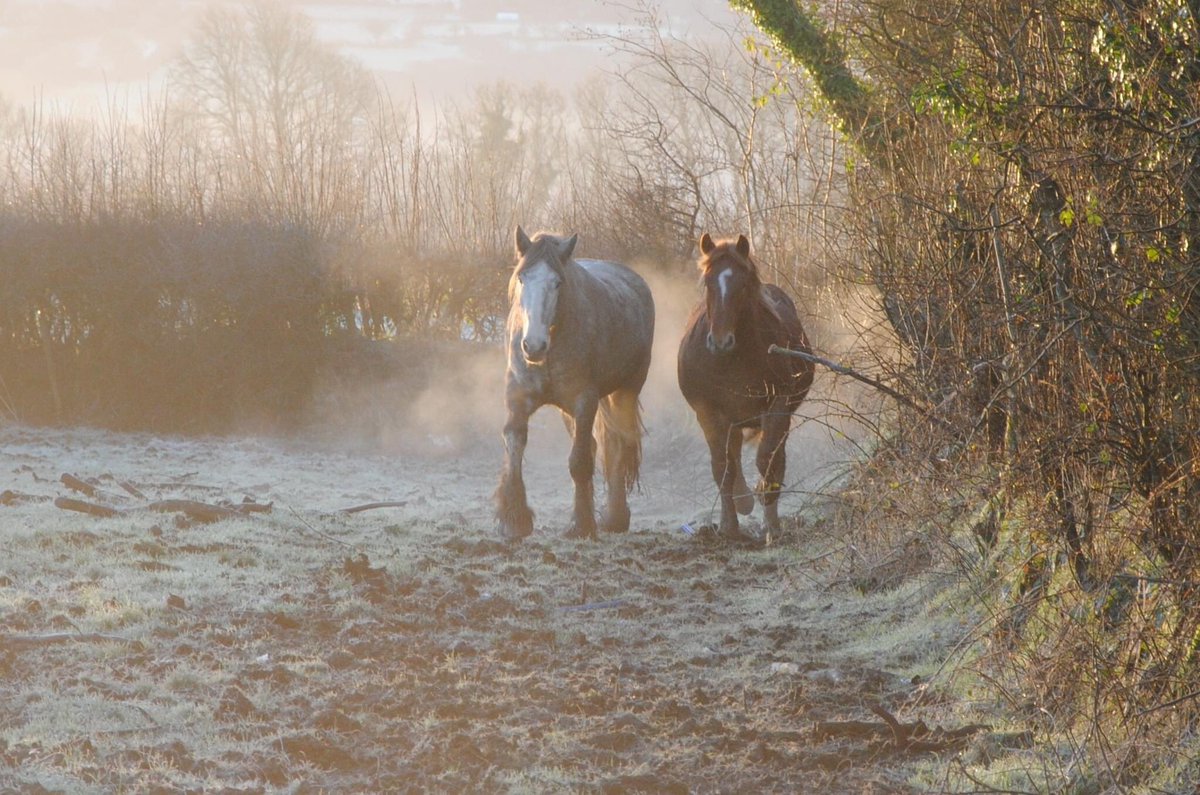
point(735, 387)
point(579, 334)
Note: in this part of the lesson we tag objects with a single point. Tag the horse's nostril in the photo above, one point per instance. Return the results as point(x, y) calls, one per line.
point(727, 344)
point(533, 351)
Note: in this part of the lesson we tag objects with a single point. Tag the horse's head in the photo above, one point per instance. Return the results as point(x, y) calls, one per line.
point(535, 284)
point(731, 283)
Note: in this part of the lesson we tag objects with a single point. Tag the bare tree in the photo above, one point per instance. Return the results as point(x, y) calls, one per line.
point(287, 107)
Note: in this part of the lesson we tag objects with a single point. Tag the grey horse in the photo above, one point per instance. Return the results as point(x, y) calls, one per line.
point(579, 335)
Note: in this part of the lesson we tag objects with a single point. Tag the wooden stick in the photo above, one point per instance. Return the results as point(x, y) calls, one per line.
point(910, 737)
point(131, 489)
point(200, 511)
point(902, 733)
point(826, 729)
point(323, 534)
point(866, 379)
point(370, 506)
point(611, 603)
point(95, 509)
point(75, 484)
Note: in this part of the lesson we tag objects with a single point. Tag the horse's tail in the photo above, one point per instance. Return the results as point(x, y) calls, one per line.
point(619, 432)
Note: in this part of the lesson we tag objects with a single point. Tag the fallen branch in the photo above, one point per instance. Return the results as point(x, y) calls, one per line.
point(133, 490)
point(200, 511)
point(866, 379)
point(10, 497)
point(92, 508)
point(75, 484)
point(321, 533)
point(370, 506)
point(857, 729)
point(916, 738)
point(899, 729)
point(611, 603)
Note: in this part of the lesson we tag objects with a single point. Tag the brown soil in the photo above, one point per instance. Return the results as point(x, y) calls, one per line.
point(405, 648)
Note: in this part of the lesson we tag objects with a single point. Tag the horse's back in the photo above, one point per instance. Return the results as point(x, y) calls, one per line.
point(619, 329)
point(800, 371)
point(622, 283)
point(621, 298)
point(789, 317)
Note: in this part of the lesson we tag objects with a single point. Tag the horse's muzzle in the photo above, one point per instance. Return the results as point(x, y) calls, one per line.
point(535, 353)
point(723, 345)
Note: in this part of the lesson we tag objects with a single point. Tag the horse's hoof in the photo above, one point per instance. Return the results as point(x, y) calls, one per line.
point(616, 524)
point(514, 521)
point(736, 535)
point(576, 533)
point(744, 503)
point(514, 534)
point(517, 528)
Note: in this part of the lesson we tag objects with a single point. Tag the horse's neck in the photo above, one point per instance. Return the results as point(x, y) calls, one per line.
point(572, 301)
point(769, 305)
point(761, 319)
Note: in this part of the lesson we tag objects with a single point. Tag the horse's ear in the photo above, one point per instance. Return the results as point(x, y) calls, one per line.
point(523, 241)
point(743, 246)
point(706, 244)
point(567, 247)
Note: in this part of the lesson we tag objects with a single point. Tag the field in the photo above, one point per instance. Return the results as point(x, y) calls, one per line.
point(294, 646)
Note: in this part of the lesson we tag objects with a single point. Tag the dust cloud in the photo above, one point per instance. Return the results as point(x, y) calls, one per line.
point(454, 416)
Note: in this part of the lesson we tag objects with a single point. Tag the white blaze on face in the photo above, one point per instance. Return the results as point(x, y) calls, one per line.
point(723, 283)
point(539, 300)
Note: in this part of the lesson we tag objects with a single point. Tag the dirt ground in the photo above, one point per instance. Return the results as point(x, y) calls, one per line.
point(306, 648)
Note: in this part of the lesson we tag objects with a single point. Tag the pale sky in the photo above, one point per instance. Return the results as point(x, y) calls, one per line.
point(75, 53)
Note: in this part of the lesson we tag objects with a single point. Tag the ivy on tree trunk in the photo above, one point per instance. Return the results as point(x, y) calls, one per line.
point(804, 38)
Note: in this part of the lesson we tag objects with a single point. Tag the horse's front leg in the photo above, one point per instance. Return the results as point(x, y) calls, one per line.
point(725, 452)
point(582, 464)
point(512, 508)
point(772, 462)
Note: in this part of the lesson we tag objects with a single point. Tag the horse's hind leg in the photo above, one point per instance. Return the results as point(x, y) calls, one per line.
point(772, 463)
point(621, 445)
point(512, 508)
point(582, 464)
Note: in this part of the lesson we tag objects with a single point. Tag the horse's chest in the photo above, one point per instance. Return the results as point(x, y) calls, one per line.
point(556, 381)
point(747, 386)
point(735, 385)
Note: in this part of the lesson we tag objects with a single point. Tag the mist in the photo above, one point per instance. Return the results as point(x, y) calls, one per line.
point(299, 251)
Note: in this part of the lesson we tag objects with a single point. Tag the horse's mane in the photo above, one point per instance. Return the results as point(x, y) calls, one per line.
point(726, 251)
point(543, 247)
